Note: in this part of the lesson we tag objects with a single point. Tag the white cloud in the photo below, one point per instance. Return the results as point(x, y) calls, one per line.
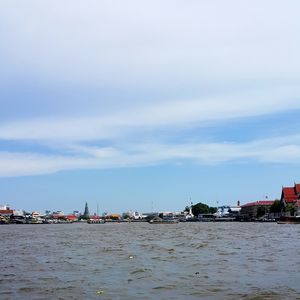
point(170, 114)
point(277, 150)
point(153, 46)
point(22, 164)
point(141, 42)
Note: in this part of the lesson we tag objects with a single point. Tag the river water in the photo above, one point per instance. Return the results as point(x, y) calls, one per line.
point(150, 261)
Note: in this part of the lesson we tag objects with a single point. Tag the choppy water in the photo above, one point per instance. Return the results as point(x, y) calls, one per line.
point(144, 261)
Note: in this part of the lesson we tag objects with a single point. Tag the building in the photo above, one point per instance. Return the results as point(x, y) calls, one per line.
point(71, 218)
point(290, 200)
point(133, 215)
point(228, 211)
point(113, 217)
point(58, 214)
point(256, 210)
point(5, 211)
point(86, 214)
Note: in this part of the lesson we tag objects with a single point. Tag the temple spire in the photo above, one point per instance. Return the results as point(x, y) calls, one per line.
point(86, 213)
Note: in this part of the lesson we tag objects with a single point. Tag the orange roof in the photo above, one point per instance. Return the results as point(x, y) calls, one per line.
point(114, 216)
point(71, 217)
point(6, 211)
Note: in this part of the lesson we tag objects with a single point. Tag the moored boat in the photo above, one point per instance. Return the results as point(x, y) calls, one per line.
point(96, 221)
point(289, 220)
point(3, 220)
point(158, 220)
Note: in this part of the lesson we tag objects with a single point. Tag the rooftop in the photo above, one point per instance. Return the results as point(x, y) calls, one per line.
point(259, 203)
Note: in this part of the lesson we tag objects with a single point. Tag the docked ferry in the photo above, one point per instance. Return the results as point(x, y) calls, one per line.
point(289, 220)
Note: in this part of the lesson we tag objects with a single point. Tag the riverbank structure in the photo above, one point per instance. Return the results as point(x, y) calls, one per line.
point(255, 210)
point(290, 200)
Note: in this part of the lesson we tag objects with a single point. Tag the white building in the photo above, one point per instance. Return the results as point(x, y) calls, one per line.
point(4, 207)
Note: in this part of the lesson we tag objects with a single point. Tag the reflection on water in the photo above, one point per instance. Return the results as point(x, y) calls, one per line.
point(143, 261)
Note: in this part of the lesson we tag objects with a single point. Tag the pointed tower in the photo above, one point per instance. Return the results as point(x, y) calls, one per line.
point(86, 213)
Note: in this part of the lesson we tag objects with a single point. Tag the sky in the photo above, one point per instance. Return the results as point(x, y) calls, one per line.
point(147, 105)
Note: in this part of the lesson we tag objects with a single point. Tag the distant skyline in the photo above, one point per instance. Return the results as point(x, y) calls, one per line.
point(141, 105)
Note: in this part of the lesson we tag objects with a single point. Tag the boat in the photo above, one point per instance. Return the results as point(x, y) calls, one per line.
point(3, 220)
point(289, 220)
point(17, 220)
point(35, 221)
point(158, 220)
point(95, 220)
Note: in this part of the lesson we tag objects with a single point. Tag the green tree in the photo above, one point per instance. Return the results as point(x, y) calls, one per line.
point(201, 208)
point(213, 210)
point(126, 216)
point(187, 209)
point(275, 207)
point(290, 208)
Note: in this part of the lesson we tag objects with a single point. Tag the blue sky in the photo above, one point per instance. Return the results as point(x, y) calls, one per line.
point(141, 105)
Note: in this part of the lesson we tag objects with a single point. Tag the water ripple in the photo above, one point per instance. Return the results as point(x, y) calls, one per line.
point(143, 261)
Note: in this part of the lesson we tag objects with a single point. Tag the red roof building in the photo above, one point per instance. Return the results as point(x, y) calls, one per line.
point(71, 218)
point(255, 210)
point(290, 194)
point(297, 188)
point(57, 216)
point(259, 203)
point(6, 212)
